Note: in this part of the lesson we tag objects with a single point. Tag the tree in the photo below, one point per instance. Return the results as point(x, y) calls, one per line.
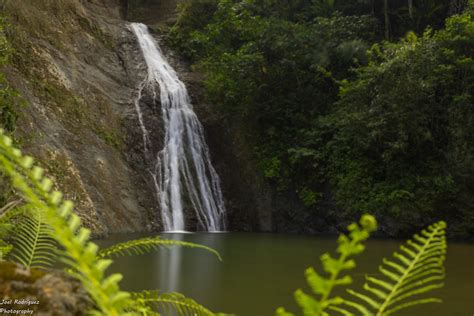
point(387, 19)
point(457, 6)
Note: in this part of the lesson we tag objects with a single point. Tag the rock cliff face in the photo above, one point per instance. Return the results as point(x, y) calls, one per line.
point(77, 65)
point(250, 201)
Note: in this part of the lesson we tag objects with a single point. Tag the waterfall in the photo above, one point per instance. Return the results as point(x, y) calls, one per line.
point(182, 171)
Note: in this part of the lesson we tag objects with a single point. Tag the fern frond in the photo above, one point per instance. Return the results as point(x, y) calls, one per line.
point(349, 246)
point(33, 243)
point(340, 311)
point(282, 312)
point(413, 303)
point(418, 269)
point(364, 311)
point(7, 213)
point(9, 206)
point(79, 252)
point(145, 245)
point(4, 249)
point(171, 304)
point(10, 211)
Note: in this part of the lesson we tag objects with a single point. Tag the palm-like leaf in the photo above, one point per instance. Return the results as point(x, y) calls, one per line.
point(33, 242)
point(7, 213)
point(79, 252)
point(323, 286)
point(418, 269)
point(144, 245)
point(170, 304)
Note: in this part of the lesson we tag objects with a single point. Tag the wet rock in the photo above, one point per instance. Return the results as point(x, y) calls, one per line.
point(79, 80)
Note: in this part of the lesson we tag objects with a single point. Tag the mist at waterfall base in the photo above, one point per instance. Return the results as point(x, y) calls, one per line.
point(182, 169)
point(260, 272)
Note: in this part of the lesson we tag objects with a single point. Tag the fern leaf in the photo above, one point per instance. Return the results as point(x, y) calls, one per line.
point(416, 291)
point(171, 304)
point(418, 271)
point(432, 269)
point(341, 311)
point(412, 285)
point(383, 284)
point(412, 303)
point(33, 243)
point(7, 214)
point(282, 312)
point(323, 286)
point(391, 275)
point(408, 251)
point(58, 214)
point(393, 265)
point(364, 311)
point(402, 258)
point(367, 299)
point(379, 293)
point(8, 207)
point(144, 245)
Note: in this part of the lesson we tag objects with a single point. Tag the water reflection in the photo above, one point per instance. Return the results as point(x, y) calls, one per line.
point(261, 271)
point(169, 265)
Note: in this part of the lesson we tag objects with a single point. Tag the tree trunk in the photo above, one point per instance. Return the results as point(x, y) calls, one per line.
point(410, 8)
point(387, 21)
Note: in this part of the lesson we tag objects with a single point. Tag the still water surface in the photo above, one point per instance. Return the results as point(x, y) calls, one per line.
point(259, 272)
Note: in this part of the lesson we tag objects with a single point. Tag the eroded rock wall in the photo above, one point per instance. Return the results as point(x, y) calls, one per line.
point(76, 64)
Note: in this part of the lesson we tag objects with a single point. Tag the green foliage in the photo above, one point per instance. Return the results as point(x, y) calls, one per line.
point(5, 247)
point(79, 253)
point(417, 269)
point(5, 47)
point(49, 216)
point(344, 128)
point(7, 212)
point(400, 132)
point(33, 243)
point(349, 246)
point(194, 17)
point(152, 302)
point(272, 73)
point(145, 245)
point(8, 97)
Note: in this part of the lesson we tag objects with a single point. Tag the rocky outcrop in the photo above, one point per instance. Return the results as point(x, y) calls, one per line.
point(250, 200)
point(42, 293)
point(77, 66)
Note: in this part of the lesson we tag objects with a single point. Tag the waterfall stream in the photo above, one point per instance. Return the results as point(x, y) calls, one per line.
point(182, 171)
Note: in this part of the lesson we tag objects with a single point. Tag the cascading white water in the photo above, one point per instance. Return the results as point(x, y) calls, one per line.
point(182, 170)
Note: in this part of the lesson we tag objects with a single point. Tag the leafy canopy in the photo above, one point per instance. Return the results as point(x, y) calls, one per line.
point(340, 120)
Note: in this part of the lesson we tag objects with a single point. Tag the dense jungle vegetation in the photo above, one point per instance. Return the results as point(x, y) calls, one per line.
point(354, 106)
point(357, 107)
point(46, 229)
